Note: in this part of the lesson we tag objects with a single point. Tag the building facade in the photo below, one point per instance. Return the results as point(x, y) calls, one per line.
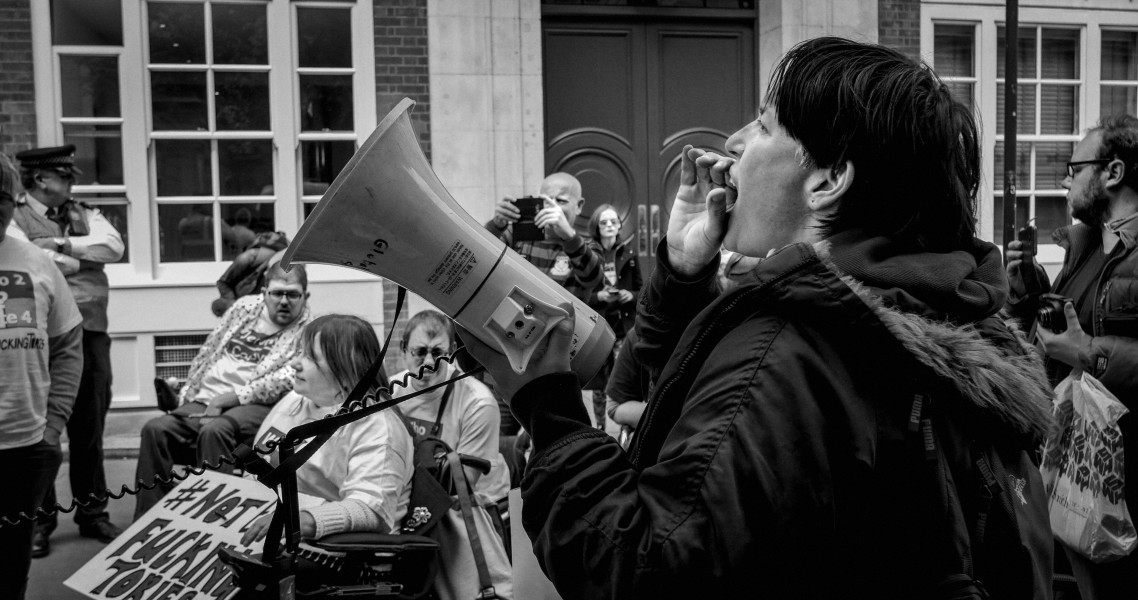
point(201, 121)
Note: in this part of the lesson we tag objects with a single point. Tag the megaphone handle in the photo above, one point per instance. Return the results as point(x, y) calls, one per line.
point(518, 323)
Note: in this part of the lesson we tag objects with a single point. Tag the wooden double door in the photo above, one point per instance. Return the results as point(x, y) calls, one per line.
point(623, 98)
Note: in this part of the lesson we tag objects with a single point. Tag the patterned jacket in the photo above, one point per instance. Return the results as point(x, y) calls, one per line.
point(273, 376)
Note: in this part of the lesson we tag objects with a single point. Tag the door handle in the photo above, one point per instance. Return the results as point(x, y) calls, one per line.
point(655, 227)
point(642, 230)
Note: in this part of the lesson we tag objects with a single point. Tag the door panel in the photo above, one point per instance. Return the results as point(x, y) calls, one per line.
point(701, 90)
point(594, 76)
point(623, 99)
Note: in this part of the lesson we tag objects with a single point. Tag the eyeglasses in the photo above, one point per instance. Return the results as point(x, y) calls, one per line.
point(421, 351)
point(610, 222)
point(290, 294)
point(1098, 161)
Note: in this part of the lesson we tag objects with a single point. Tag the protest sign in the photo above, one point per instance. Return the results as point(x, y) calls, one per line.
point(170, 553)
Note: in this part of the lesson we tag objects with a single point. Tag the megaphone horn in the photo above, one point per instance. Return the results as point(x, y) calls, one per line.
point(388, 214)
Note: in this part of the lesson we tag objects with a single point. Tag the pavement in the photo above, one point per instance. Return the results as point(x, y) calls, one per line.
point(69, 550)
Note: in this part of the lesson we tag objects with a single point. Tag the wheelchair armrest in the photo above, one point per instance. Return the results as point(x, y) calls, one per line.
point(481, 464)
point(367, 541)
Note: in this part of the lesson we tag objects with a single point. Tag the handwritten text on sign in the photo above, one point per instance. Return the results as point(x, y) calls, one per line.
point(170, 553)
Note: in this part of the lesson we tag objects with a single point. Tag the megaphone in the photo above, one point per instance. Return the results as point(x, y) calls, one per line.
point(388, 214)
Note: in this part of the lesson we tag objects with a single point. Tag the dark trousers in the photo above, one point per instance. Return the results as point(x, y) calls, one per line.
point(28, 473)
point(171, 439)
point(85, 434)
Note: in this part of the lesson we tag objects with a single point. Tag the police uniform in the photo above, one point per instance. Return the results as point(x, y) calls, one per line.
point(79, 240)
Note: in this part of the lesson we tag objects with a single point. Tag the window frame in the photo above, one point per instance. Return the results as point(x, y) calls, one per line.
point(139, 186)
point(1090, 20)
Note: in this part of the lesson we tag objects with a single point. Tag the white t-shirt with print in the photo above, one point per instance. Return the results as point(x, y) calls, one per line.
point(35, 305)
point(469, 426)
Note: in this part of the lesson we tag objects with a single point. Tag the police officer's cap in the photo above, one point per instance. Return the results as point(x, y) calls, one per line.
point(57, 158)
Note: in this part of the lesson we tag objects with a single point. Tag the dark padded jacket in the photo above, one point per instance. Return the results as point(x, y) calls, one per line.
point(1112, 356)
point(774, 459)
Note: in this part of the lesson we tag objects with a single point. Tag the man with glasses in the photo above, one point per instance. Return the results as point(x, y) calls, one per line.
point(240, 372)
point(1099, 275)
point(464, 414)
point(41, 357)
point(80, 241)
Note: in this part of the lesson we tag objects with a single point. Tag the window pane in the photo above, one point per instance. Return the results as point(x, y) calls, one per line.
point(177, 33)
point(240, 224)
point(242, 101)
point(326, 103)
point(1025, 109)
point(116, 214)
point(998, 218)
point(89, 86)
point(86, 22)
point(1051, 213)
point(1023, 163)
point(1118, 55)
point(322, 162)
point(185, 232)
point(1051, 164)
point(324, 37)
point(179, 101)
point(239, 35)
point(246, 167)
point(1025, 56)
point(183, 167)
point(1059, 109)
point(1060, 54)
point(1117, 100)
point(953, 46)
point(961, 91)
point(98, 152)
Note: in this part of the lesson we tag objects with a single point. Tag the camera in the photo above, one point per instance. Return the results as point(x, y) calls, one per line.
point(524, 228)
point(1051, 313)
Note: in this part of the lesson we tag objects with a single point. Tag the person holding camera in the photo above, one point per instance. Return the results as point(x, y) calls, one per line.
point(1089, 320)
point(540, 228)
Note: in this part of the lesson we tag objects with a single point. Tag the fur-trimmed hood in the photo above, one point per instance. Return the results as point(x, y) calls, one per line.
point(952, 326)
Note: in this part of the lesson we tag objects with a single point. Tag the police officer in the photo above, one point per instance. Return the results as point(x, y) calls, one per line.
point(80, 241)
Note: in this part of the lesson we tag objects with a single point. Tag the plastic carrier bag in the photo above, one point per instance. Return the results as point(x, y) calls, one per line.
point(1083, 471)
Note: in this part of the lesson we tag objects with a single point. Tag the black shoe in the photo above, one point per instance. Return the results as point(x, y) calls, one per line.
point(41, 547)
point(102, 530)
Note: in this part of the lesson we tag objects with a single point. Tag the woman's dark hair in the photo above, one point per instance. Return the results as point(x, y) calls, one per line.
point(349, 344)
point(433, 322)
point(915, 149)
point(1120, 140)
point(595, 221)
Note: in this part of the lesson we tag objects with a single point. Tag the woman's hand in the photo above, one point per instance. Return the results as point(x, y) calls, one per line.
point(698, 221)
point(551, 356)
point(257, 530)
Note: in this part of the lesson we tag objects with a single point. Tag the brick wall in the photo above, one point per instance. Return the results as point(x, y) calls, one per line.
point(17, 88)
point(899, 25)
point(401, 70)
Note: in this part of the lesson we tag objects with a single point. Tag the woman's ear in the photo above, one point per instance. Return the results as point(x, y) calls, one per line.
point(828, 185)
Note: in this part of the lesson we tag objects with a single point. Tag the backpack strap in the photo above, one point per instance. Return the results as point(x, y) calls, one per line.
point(442, 407)
point(958, 580)
point(458, 476)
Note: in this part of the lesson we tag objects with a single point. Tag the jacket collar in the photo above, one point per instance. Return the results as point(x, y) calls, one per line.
point(989, 363)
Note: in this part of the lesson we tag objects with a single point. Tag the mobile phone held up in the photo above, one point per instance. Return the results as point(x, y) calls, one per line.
point(1027, 237)
point(524, 228)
